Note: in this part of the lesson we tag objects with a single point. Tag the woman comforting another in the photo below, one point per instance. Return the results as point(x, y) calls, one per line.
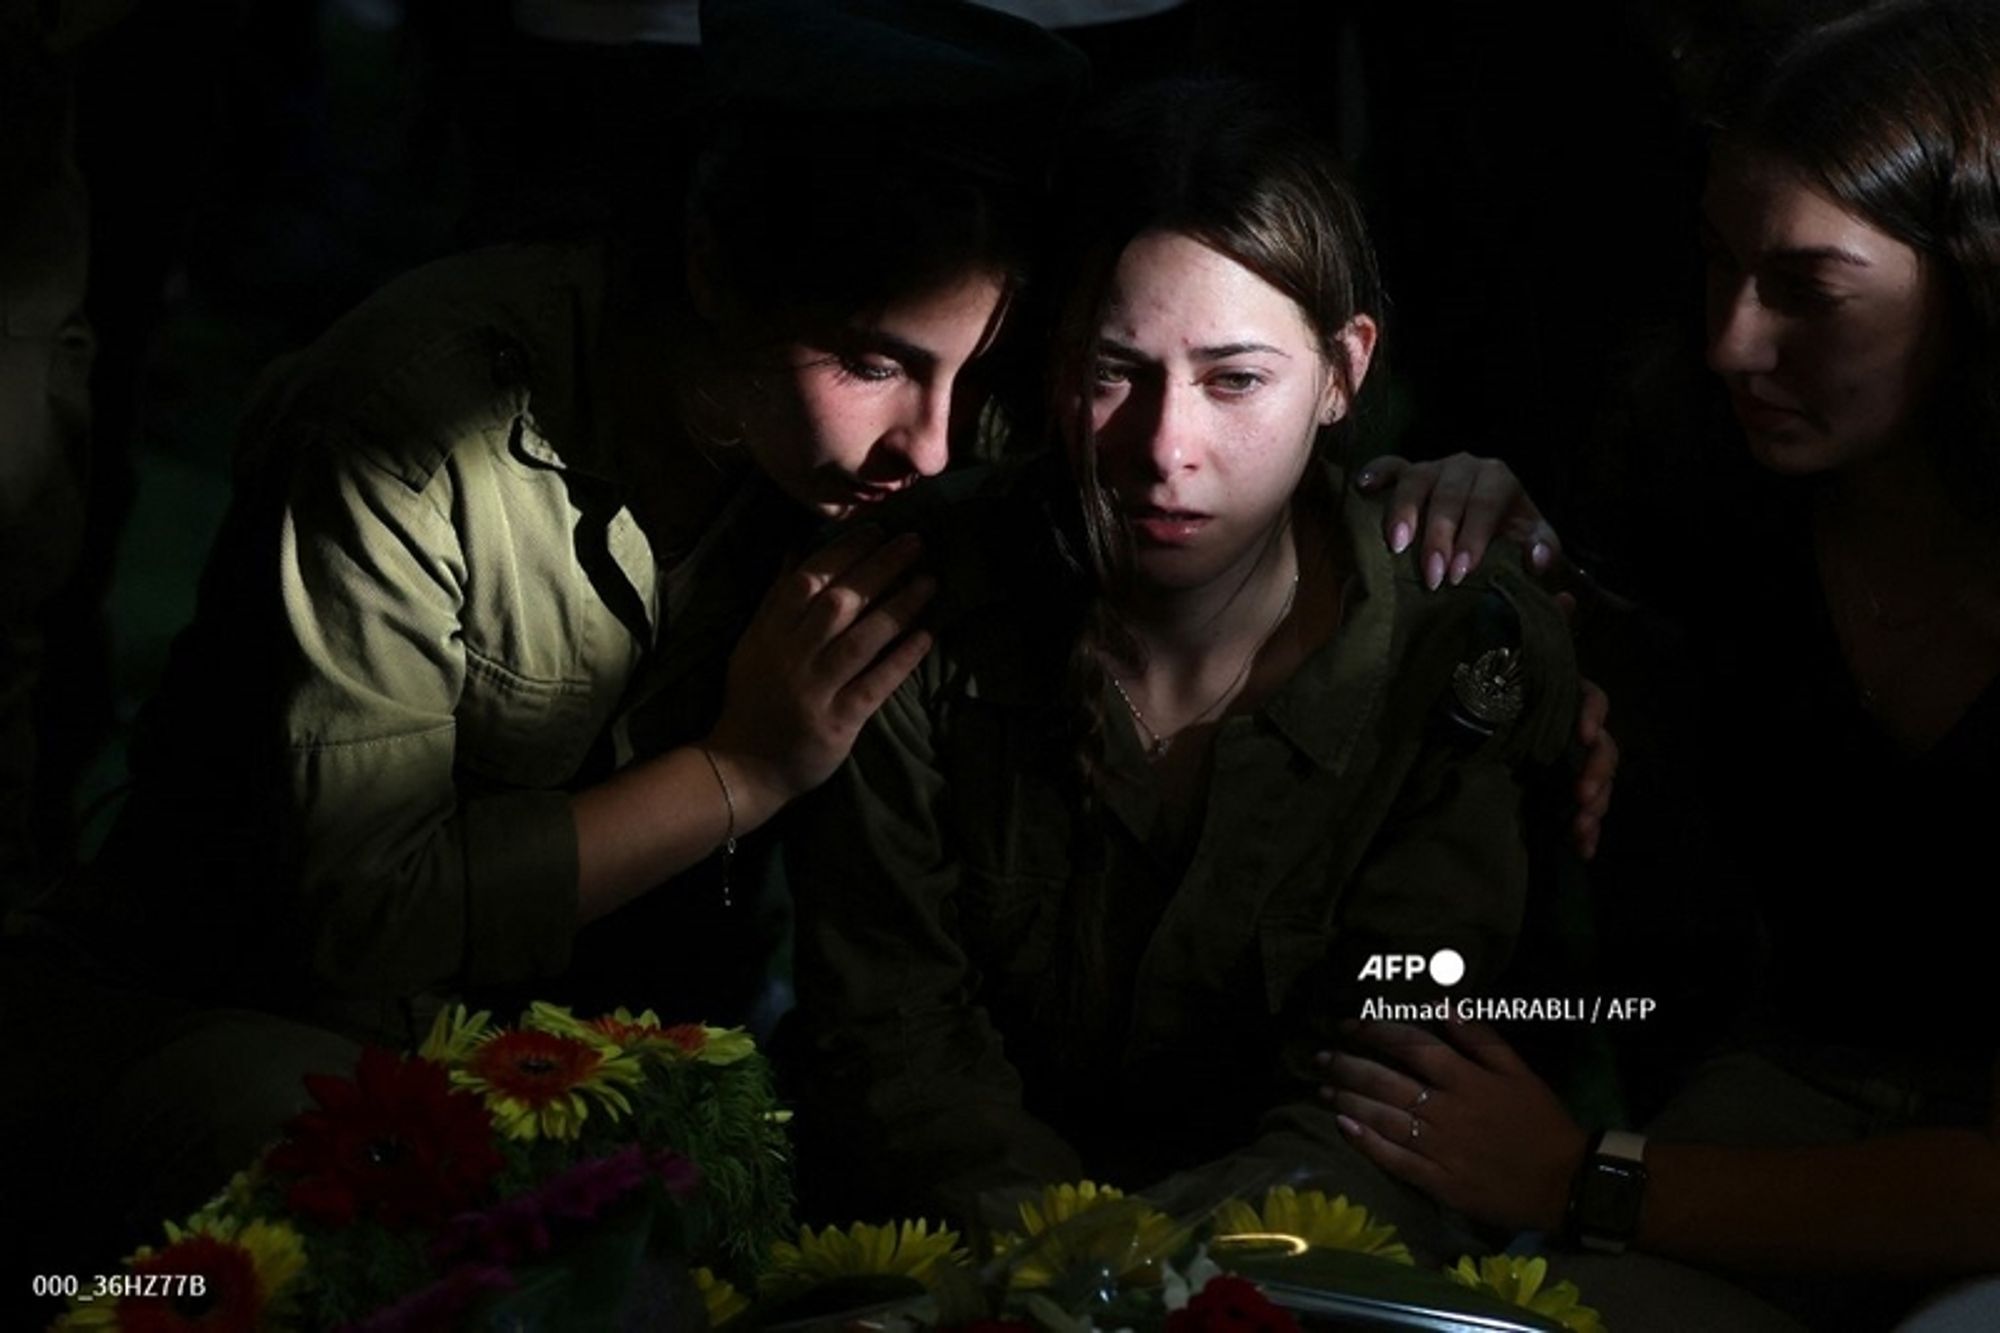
point(1850, 720)
point(499, 636)
point(1192, 750)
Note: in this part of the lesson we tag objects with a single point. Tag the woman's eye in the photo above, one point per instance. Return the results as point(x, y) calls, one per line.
point(1788, 292)
point(1107, 377)
point(869, 369)
point(1236, 382)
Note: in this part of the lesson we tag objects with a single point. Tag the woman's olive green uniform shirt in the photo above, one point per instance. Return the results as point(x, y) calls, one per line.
point(428, 618)
point(955, 1037)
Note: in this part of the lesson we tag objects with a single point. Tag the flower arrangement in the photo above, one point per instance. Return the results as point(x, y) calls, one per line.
point(1088, 1258)
point(584, 1173)
point(499, 1173)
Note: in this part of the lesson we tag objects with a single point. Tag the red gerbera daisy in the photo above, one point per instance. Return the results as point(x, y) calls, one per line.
point(534, 1081)
point(231, 1297)
point(222, 1277)
point(534, 1067)
point(397, 1143)
point(690, 1037)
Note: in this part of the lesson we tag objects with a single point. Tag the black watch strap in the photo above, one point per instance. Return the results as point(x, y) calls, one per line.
point(1607, 1192)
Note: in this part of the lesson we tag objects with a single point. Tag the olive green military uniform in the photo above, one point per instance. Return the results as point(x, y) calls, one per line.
point(953, 1036)
point(424, 624)
point(431, 614)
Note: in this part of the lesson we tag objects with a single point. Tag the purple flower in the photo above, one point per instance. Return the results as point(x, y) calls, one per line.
point(521, 1227)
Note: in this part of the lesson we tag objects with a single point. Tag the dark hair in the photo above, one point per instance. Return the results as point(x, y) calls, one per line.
point(794, 228)
point(1214, 160)
point(1894, 112)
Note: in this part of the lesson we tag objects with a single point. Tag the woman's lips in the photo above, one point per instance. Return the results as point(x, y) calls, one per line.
point(1761, 414)
point(861, 495)
point(1159, 526)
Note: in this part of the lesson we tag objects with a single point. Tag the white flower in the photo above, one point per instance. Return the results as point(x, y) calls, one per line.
point(1176, 1290)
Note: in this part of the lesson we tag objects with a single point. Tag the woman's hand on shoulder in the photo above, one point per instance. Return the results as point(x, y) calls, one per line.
point(1597, 771)
point(1458, 505)
point(833, 639)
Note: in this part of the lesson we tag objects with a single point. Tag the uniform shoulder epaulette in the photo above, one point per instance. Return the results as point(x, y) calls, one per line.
point(442, 355)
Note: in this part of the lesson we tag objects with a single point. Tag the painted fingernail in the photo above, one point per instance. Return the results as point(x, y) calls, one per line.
point(1399, 538)
point(1348, 1126)
point(1541, 555)
point(1433, 571)
point(1461, 565)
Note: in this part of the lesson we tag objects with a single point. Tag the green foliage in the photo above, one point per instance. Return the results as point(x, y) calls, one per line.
point(726, 1120)
point(359, 1269)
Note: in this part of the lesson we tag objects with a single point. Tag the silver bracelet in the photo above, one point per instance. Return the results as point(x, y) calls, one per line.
point(729, 838)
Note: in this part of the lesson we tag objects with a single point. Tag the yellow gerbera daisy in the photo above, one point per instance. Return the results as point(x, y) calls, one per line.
point(719, 1297)
point(540, 1084)
point(1090, 1223)
point(899, 1249)
point(215, 1272)
point(725, 1046)
point(644, 1034)
point(1519, 1281)
point(1322, 1223)
point(455, 1035)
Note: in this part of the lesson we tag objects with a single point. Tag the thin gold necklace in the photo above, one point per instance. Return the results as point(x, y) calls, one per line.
point(1158, 744)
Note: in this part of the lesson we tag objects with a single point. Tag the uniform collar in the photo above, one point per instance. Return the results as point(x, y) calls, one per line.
point(1326, 708)
point(559, 354)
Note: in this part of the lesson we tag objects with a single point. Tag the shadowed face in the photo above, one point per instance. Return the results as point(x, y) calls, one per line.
point(858, 413)
point(1828, 331)
point(1207, 392)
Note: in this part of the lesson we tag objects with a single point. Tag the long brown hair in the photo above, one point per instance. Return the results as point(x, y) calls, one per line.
point(1894, 112)
point(1214, 161)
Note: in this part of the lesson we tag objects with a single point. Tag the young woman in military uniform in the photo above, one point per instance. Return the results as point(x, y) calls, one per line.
point(1099, 875)
point(498, 635)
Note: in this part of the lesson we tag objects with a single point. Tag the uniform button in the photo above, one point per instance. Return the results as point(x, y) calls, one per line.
point(510, 368)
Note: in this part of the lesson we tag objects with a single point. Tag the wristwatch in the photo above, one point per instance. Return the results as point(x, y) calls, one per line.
point(1606, 1194)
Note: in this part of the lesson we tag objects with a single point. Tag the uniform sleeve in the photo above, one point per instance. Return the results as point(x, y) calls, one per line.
point(909, 1101)
point(408, 880)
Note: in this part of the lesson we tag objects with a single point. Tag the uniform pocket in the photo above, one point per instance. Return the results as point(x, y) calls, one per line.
point(521, 731)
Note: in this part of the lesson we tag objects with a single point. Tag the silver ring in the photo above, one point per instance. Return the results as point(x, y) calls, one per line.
point(1416, 1127)
point(1423, 1095)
